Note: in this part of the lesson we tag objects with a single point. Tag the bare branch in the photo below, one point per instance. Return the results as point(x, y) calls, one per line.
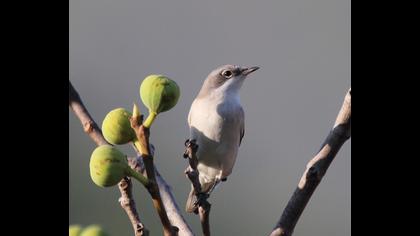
point(143, 134)
point(127, 203)
point(89, 125)
point(204, 213)
point(315, 170)
point(172, 209)
point(192, 173)
point(125, 186)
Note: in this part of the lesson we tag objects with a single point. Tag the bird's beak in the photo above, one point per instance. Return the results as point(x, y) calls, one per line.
point(249, 70)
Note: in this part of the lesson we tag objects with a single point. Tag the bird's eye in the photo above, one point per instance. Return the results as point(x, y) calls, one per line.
point(227, 74)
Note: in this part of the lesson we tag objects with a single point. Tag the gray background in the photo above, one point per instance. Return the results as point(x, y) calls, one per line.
point(303, 48)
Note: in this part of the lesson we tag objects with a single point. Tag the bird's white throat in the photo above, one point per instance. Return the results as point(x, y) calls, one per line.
point(226, 95)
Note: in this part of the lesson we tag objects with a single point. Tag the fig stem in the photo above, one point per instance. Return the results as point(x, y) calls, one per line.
point(148, 122)
point(143, 180)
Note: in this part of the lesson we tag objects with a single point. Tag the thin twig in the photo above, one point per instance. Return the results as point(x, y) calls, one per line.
point(193, 175)
point(125, 186)
point(315, 170)
point(143, 134)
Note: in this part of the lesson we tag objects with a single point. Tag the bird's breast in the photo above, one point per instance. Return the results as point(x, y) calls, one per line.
point(215, 120)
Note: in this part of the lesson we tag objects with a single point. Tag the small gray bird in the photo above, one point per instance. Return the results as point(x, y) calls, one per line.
point(216, 121)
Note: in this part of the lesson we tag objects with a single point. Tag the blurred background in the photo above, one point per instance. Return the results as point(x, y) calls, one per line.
point(303, 49)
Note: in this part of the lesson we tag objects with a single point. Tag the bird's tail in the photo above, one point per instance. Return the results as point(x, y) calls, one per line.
point(207, 186)
point(192, 198)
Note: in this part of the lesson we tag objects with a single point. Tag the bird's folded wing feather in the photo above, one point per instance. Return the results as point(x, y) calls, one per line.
point(242, 125)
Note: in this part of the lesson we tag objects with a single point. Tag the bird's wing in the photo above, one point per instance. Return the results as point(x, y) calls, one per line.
point(242, 125)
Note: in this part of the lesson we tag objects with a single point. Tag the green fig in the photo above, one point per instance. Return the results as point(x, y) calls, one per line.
point(159, 94)
point(74, 230)
point(116, 127)
point(108, 166)
point(93, 230)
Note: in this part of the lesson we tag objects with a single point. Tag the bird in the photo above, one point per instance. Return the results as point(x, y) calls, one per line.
point(217, 125)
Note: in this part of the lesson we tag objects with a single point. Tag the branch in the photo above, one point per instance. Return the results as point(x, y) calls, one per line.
point(192, 173)
point(143, 134)
point(95, 133)
point(89, 125)
point(172, 209)
point(128, 204)
point(204, 213)
point(315, 170)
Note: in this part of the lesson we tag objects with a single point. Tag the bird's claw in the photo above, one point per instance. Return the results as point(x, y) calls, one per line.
point(186, 142)
point(190, 144)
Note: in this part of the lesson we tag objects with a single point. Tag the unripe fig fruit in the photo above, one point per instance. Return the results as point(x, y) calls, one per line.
point(108, 166)
point(93, 230)
point(116, 127)
point(74, 230)
point(159, 94)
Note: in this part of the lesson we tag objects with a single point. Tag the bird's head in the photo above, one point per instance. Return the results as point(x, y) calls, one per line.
point(227, 78)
